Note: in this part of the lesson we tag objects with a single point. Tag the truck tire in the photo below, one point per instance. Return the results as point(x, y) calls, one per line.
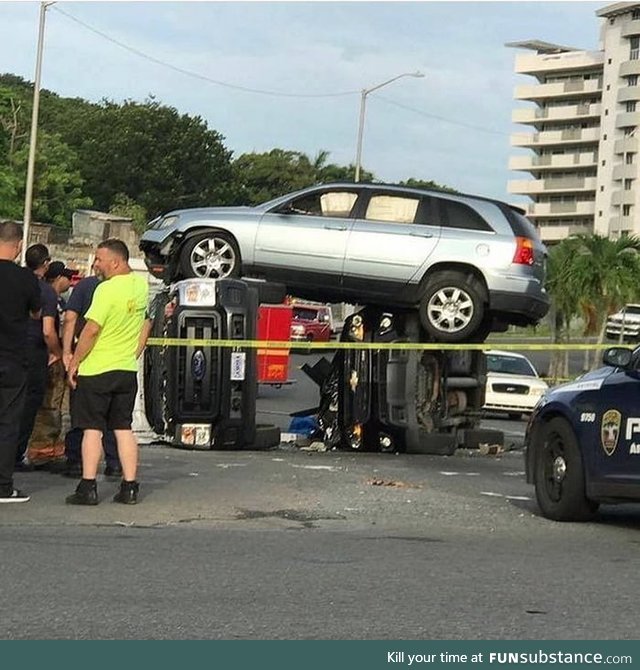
point(559, 474)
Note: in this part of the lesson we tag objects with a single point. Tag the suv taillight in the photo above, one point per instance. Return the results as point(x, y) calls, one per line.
point(524, 251)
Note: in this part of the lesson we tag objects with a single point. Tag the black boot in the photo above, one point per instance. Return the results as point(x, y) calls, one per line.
point(128, 493)
point(86, 493)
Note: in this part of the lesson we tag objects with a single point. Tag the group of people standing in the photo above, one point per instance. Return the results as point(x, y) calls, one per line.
point(91, 344)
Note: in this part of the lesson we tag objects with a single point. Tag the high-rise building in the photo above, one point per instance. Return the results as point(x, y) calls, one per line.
point(584, 115)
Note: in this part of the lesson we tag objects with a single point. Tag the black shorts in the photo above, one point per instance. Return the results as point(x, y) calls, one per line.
point(105, 402)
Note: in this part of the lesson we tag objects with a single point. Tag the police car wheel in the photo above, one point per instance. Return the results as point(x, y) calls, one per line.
point(559, 474)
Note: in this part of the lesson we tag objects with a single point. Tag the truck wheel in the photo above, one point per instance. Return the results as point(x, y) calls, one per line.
point(559, 474)
point(212, 255)
point(452, 306)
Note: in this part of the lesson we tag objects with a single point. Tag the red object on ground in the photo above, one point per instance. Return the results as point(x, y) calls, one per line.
point(274, 325)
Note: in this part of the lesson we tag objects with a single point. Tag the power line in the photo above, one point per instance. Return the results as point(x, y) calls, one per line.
point(441, 118)
point(197, 75)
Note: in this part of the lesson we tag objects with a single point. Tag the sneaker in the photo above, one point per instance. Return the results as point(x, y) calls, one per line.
point(86, 493)
point(15, 497)
point(128, 493)
point(113, 471)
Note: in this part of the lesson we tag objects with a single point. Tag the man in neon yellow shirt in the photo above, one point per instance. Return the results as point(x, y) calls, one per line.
point(104, 370)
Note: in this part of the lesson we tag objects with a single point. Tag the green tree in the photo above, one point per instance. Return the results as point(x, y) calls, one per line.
point(430, 185)
point(565, 293)
point(607, 274)
point(58, 183)
point(123, 205)
point(261, 177)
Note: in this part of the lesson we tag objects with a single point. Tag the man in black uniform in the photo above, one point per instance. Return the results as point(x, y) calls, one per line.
point(43, 342)
point(19, 299)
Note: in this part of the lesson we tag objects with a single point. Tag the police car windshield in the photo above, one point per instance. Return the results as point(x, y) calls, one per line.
point(511, 365)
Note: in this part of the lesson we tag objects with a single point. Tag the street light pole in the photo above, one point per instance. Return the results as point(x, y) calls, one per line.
point(28, 195)
point(363, 102)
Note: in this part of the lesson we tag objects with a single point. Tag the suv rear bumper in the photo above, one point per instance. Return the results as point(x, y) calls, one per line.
point(527, 309)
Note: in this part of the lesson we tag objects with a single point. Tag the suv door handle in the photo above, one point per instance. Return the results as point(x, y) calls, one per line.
point(328, 226)
point(414, 234)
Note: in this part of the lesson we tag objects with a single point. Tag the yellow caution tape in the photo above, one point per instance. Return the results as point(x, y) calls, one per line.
point(370, 346)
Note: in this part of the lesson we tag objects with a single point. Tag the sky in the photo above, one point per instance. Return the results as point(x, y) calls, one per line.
point(313, 58)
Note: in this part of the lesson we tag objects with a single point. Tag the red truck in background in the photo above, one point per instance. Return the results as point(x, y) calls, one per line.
point(311, 323)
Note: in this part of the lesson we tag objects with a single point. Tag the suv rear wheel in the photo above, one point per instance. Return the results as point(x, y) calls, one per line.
point(452, 306)
point(212, 255)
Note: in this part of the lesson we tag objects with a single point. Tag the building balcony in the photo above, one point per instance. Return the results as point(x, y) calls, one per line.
point(559, 137)
point(623, 197)
point(629, 67)
point(571, 61)
point(630, 28)
point(555, 233)
point(537, 114)
point(574, 184)
point(568, 89)
point(624, 171)
point(626, 119)
point(561, 209)
point(626, 145)
point(557, 162)
point(628, 93)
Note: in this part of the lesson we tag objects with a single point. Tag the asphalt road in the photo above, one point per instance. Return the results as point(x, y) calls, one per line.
point(306, 545)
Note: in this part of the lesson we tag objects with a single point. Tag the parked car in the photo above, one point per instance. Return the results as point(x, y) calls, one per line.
point(469, 264)
point(513, 384)
point(583, 440)
point(629, 318)
point(311, 323)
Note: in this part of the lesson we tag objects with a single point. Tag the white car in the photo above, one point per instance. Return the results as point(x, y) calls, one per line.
point(513, 385)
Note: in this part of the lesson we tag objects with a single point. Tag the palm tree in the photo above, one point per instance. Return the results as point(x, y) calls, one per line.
point(565, 297)
point(607, 274)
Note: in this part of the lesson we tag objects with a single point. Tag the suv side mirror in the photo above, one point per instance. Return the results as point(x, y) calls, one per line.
point(617, 357)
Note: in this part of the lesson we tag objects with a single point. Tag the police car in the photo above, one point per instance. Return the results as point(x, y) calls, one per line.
point(583, 440)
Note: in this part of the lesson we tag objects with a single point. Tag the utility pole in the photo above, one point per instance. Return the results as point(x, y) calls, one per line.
point(28, 194)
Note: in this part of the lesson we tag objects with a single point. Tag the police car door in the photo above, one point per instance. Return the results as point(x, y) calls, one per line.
point(615, 458)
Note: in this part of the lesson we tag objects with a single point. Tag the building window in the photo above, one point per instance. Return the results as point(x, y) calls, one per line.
point(600, 213)
point(626, 210)
point(632, 80)
point(612, 21)
point(635, 14)
point(631, 106)
point(629, 131)
point(608, 63)
point(627, 184)
point(601, 189)
point(628, 159)
point(606, 112)
point(604, 163)
point(634, 51)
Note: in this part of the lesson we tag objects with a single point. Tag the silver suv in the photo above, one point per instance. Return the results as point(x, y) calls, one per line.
point(469, 264)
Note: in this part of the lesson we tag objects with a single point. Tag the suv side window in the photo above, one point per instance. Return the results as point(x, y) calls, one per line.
point(393, 208)
point(337, 204)
point(458, 215)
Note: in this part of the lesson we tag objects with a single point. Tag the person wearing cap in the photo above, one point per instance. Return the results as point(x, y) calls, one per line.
point(44, 349)
point(45, 445)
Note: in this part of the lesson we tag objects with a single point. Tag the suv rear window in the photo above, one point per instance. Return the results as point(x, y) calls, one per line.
point(520, 225)
point(458, 215)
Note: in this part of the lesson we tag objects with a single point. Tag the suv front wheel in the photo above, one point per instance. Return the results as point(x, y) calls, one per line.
point(211, 255)
point(452, 307)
